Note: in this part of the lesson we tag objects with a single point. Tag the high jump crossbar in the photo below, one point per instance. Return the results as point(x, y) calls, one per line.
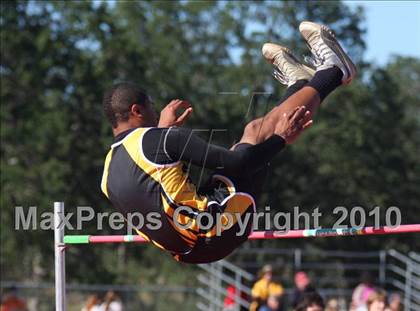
point(258, 235)
point(62, 240)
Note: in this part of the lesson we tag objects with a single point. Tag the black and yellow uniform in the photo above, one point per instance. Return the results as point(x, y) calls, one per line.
point(144, 172)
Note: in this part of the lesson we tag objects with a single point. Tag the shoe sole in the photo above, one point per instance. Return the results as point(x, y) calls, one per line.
point(328, 37)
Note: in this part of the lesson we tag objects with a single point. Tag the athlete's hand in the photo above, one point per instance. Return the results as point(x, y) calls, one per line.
point(168, 116)
point(292, 125)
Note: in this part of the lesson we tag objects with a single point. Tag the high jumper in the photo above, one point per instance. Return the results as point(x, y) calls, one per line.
point(145, 171)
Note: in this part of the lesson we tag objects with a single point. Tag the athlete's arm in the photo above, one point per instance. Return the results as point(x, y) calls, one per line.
point(165, 146)
point(181, 144)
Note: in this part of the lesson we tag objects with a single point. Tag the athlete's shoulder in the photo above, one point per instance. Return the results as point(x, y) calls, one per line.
point(154, 133)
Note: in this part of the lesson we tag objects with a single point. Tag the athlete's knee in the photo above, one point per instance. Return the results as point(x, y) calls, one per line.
point(253, 127)
point(252, 132)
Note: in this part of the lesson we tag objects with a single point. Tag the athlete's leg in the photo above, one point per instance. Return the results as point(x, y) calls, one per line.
point(261, 129)
point(288, 71)
point(292, 89)
point(217, 247)
point(252, 182)
point(334, 67)
point(310, 96)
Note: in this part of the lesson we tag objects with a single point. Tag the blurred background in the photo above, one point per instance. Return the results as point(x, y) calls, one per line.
point(58, 57)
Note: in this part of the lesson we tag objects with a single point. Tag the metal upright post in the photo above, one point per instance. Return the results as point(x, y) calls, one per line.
point(297, 259)
point(60, 272)
point(407, 287)
point(382, 268)
point(237, 291)
point(219, 282)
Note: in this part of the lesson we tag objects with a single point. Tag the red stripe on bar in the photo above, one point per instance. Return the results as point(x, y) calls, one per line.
point(116, 239)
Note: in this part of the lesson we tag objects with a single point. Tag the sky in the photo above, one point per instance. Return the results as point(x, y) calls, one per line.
point(393, 27)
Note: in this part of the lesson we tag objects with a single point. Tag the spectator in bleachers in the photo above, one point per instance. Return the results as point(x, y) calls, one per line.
point(273, 304)
point(332, 305)
point(111, 302)
point(230, 300)
point(11, 302)
point(264, 288)
point(302, 286)
point(92, 303)
point(394, 303)
point(376, 300)
point(362, 292)
point(311, 301)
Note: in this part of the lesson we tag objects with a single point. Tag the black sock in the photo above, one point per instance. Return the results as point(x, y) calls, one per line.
point(326, 81)
point(293, 89)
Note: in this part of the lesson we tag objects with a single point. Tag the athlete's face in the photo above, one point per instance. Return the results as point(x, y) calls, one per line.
point(150, 115)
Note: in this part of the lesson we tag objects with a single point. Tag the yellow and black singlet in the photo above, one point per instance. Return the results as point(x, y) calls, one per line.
point(144, 172)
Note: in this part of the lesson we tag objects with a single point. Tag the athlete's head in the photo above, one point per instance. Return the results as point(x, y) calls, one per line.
point(127, 105)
